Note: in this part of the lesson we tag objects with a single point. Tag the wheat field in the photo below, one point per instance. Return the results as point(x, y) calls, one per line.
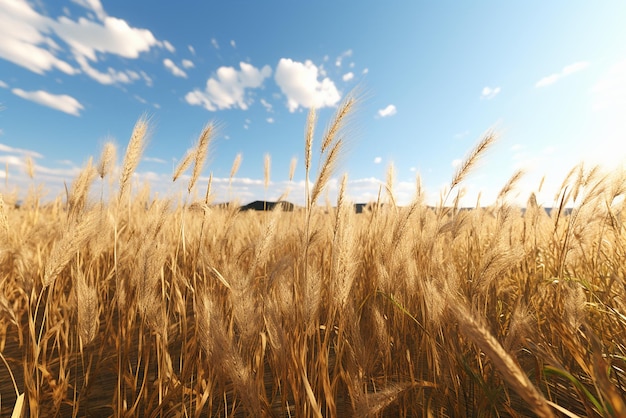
point(132, 305)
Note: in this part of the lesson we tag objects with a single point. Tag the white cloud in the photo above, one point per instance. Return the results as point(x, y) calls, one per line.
point(270, 120)
point(228, 88)
point(567, 70)
point(366, 70)
point(23, 39)
point(456, 162)
point(489, 93)
point(214, 43)
point(233, 44)
point(61, 102)
point(167, 45)
point(3, 85)
point(191, 49)
point(299, 82)
point(348, 76)
point(140, 99)
point(173, 68)
point(390, 110)
point(378, 160)
point(29, 39)
point(339, 59)
point(267, 105)
point(188, 64)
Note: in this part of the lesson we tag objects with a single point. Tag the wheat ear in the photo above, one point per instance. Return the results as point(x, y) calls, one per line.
point(4, 220)
point(183, 165)
point(470, 161)
point(501, 359)
point(107, 159)
point(200, 154)
point(135, 148)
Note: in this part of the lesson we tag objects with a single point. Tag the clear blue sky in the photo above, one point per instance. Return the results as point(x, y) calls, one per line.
point(433, 76)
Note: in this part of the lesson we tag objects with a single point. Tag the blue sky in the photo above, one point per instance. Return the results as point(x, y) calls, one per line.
point(432, 78)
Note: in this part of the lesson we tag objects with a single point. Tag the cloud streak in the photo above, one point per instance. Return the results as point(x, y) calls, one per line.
point(61, 102)
point(489, 93)
point(173, 68)
point(567, 70)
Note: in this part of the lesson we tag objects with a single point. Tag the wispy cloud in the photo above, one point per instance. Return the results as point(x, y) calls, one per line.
point(340, 58)
point(268, 106)
point(270, 120)
point(348, 76)
point(173, 68)
point(489, 93)
point(215, 44)
point(609, 92)
point(188, 64)
point(191, 49)
point(154, 160)
point(567, 70)
point(167, 45)
point(233, 43)
point(390, 110)
point(61, 102)
point(228, 88)
point(377, 160)
point(111, 76)
point(3, 85)
point(299, 82)
point(12, 150)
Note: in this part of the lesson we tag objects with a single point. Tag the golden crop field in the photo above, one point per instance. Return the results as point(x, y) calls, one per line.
point(134, 306)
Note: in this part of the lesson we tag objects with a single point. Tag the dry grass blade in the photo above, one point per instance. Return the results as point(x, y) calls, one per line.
point(18, 409)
